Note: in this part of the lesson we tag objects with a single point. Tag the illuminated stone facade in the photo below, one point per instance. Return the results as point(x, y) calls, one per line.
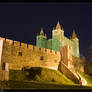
point(47, 53)
point(58, 40)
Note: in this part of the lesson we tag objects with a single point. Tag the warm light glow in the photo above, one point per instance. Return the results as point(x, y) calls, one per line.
point(54, 68)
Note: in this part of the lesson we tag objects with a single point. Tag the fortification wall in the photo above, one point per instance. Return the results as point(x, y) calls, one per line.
point(75, 47)
point(4, 75)
point(20, 55)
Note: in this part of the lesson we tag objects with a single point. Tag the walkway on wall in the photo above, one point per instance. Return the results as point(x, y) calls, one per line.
point(74, 76)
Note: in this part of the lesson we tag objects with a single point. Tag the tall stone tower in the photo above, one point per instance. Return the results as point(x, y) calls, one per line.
point(41, 40)
point(75, 46)
point(57, 36)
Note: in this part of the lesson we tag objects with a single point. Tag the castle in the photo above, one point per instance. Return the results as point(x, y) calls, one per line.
point(58, 40)
point(57, 53)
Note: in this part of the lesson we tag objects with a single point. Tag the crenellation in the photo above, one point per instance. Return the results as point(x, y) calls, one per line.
point(27, 45)
point(58, 53)
point(10, 42)
point(1, 38)
point(16, 43)
point(36, 48)
point(48, 51)
point(43, 50)
point(23, 45)
point(40, 49)
point(30, 46)
point(53, 52)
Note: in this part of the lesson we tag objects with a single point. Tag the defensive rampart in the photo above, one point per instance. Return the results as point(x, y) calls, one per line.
point(20, 55)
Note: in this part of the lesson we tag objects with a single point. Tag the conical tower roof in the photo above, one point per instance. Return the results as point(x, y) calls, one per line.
point(74, 34)
point(58, 26)
point(41, 32)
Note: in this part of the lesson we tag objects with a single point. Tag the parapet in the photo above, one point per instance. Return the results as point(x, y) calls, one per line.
point(23, 45)
point(2, 38)
point(43, 50)
point(29, 46)
point(16, 43)
point(9, 41)
point(36, 48)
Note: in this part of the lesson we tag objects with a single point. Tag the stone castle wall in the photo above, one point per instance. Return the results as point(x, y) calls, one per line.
point(55, 44)
point(20, 55)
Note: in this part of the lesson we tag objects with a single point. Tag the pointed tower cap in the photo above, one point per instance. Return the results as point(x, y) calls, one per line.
point(58, 26)
point(74, 34)
point(41, 32)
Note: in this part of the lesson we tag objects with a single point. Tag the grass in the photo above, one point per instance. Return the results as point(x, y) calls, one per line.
point(43, 75)
point(87, 77)
point(38, 85)
point(42, 78)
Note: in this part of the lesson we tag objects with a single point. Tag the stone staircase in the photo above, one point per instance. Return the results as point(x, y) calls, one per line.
point(83, 81)
point(71, 73)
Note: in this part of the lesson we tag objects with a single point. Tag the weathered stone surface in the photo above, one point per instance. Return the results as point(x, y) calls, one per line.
point(30, 56)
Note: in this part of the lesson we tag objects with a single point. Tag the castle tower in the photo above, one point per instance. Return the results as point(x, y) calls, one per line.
point(58, 32)
point(58, 26)
point(75, 46)
point(41, 32)
point(41, 39)
point(57, 36)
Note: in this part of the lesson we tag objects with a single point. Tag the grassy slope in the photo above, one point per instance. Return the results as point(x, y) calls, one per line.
point(41, 75)
point(87, 78)
point(42, 78)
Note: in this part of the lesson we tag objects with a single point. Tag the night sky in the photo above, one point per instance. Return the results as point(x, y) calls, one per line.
point(22, 21)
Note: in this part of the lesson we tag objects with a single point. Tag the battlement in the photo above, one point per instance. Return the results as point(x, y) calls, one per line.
point(2, 38)
point(9, 41)
point(18, 44)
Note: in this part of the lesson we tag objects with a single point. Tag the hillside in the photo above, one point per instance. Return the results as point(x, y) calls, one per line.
point(42, 78)
point(87, 77)
point(39, 74)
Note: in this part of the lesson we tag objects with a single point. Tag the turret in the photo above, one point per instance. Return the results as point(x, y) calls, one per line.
point(41, 39)
point(42, 32)
point(57, 36)
point(75, 41)
point(58, 32)
point(58, 26)
point(74, 36)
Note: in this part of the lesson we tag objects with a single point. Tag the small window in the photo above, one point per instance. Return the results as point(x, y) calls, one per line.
point(20, 53)
point(41, 58)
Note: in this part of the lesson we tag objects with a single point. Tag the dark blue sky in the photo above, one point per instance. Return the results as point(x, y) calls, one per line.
point(22, 21)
